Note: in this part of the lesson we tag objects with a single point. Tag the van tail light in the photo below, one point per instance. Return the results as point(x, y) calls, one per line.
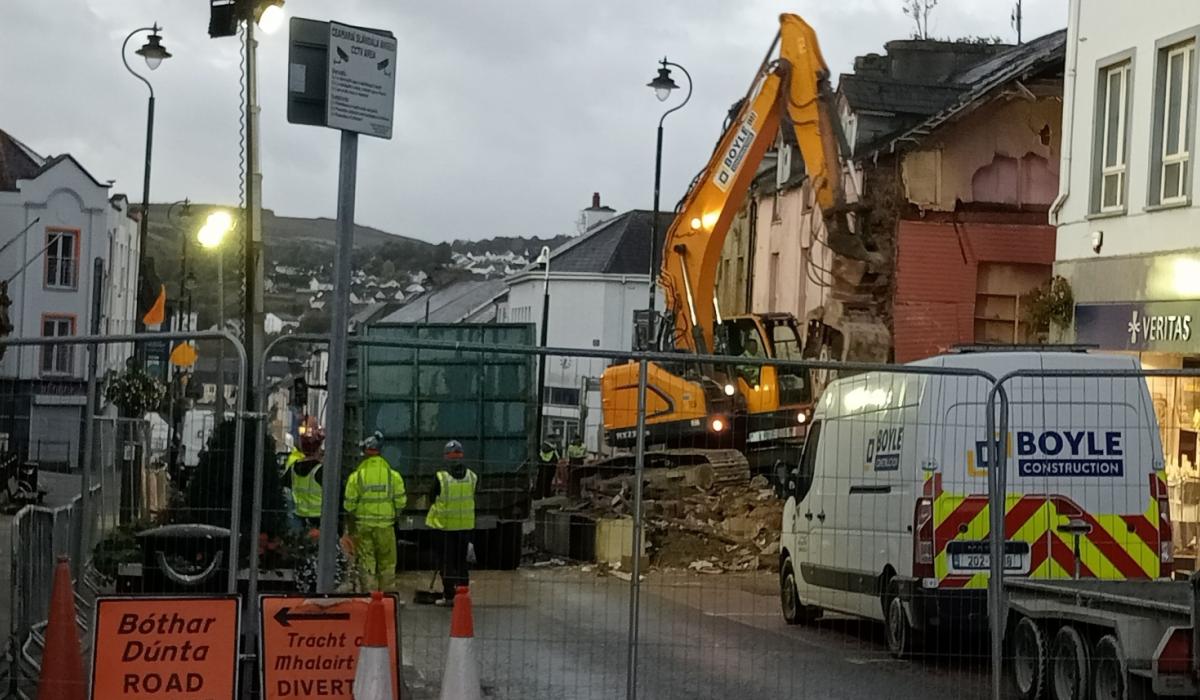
point(1174, 653)
point(923, 539)
point(1166, 548)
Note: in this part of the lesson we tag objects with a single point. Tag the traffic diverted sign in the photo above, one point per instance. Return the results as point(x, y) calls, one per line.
point(178, 648)
point(310, 645)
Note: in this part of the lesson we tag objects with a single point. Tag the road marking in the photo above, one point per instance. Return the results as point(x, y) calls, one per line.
point(882, 660)
point(741, 614)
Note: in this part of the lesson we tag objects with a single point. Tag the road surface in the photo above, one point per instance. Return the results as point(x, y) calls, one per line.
point(562, 633)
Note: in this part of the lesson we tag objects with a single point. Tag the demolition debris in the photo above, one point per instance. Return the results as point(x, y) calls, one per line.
point(697, 518)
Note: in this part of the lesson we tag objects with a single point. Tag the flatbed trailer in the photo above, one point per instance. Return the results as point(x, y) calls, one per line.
point(1088, 638)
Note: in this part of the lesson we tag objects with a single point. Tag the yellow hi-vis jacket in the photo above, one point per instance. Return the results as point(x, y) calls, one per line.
point(306, 493)
point(454, 508)
point(295, 456)
point(375, 493)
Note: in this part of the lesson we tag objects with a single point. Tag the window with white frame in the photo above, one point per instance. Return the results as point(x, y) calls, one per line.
point(1173, 122)
point(62, 261)
point(1113, 104)
point(57, 359)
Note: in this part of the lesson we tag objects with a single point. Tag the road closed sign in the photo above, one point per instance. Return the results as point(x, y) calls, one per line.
point(155, 648)
point(361, 87)
point(310, 645)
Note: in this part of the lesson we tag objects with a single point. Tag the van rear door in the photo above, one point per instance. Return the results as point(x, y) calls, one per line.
point(1085, 453)
point(957, 480)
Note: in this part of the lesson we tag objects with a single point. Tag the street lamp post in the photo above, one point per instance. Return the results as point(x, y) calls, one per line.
point(544, 261)
point(154, 53)
point(663, 85)
point(176, 382)
point(218, 224)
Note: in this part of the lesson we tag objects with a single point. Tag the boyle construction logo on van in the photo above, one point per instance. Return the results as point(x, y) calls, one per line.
point(310, 645)
point(178, 648)
point(1089, 453)
point(883, 450)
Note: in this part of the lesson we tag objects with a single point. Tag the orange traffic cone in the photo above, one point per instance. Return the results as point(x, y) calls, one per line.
point(62, 661)
point(461, 679)
point(373, 673)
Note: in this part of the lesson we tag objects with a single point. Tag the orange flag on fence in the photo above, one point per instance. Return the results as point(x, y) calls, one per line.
point(157, 312)
point(184, 355)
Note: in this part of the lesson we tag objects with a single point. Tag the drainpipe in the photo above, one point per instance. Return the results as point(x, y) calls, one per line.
point(1068, 125)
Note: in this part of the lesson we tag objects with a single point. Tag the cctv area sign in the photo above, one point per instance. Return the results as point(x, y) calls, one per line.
point(341, 76)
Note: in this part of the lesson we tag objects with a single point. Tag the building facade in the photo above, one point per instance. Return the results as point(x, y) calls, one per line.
point(56, 222)
point(596, 282)
point(1126, 211)
point(954, 160)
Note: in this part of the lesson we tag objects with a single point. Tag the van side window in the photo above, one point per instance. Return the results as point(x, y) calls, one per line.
point(804, 476)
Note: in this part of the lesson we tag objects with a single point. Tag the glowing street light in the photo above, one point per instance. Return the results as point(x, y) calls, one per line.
point(215, 227)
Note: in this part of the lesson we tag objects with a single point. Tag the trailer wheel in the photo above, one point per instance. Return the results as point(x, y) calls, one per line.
point(1108, 670)
point(1029, 659)
point(1069, 666)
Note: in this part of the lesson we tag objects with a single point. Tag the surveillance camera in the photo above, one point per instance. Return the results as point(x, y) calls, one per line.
point(1097, 241)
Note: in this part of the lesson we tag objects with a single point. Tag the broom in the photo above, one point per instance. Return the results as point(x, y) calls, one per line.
point(428, 597)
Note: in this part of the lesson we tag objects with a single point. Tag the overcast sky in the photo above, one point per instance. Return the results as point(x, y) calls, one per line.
point(508, 114)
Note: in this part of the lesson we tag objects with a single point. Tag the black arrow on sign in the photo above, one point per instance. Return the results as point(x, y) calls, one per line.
point(285, 616)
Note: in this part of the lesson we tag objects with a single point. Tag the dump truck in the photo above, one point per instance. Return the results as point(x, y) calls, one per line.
point(421, 398)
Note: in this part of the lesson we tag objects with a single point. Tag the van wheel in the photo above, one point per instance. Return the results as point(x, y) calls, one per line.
point(794, 611)
point(1029, 659)
point(901, 635)
point(1108, 670)
point(1069, 665)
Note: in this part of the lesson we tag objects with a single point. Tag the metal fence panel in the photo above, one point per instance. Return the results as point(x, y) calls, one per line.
point(121, 503)
point(1099, 473)
point(699, 610)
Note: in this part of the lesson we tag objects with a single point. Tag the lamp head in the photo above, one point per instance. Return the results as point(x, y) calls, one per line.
point(153, 50)
point(269, 16)
point(663, 84)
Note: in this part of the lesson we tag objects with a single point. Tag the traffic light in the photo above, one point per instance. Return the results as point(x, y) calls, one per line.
point(6, 327)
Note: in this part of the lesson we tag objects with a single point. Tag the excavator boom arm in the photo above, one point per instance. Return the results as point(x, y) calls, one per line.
point(795, 88)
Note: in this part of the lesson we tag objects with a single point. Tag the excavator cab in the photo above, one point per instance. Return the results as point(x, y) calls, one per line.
point(766, 336)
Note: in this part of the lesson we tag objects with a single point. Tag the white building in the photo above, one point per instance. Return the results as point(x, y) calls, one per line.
point(1127, 214)
point(56, 220)
point(597, 281)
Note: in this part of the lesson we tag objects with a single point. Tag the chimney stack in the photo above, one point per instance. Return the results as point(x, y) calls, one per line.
point(595, 214)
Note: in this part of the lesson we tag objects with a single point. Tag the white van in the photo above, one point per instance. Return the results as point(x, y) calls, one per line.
point(887, 515)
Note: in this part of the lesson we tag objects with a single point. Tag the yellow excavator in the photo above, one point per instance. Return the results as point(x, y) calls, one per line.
point(733, 415)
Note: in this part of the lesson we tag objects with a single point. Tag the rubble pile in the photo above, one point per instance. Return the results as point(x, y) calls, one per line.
point(695, 521)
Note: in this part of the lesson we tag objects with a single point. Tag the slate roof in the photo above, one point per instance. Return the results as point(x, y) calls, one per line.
point(619, 246)
point(451, 304)
point(20, 162)
point(984, 79)
point(17, 162)
point(879, 94)
point(922, 107)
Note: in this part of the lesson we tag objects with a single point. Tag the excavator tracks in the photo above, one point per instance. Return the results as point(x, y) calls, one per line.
point(728, 466)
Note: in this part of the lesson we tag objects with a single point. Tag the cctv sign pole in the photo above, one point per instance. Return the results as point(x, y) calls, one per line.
point(356, 96)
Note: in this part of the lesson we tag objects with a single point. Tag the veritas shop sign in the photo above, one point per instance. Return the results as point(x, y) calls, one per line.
point(1163, 326)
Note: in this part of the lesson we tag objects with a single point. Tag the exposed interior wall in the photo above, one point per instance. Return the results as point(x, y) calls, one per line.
point(790, 262)
point(1006, 152)
point(939, 285)
point(735, 263)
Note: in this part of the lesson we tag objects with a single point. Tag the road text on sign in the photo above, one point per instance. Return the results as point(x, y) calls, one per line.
point(362, 80)
point(178, 648)
point(310, 645)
